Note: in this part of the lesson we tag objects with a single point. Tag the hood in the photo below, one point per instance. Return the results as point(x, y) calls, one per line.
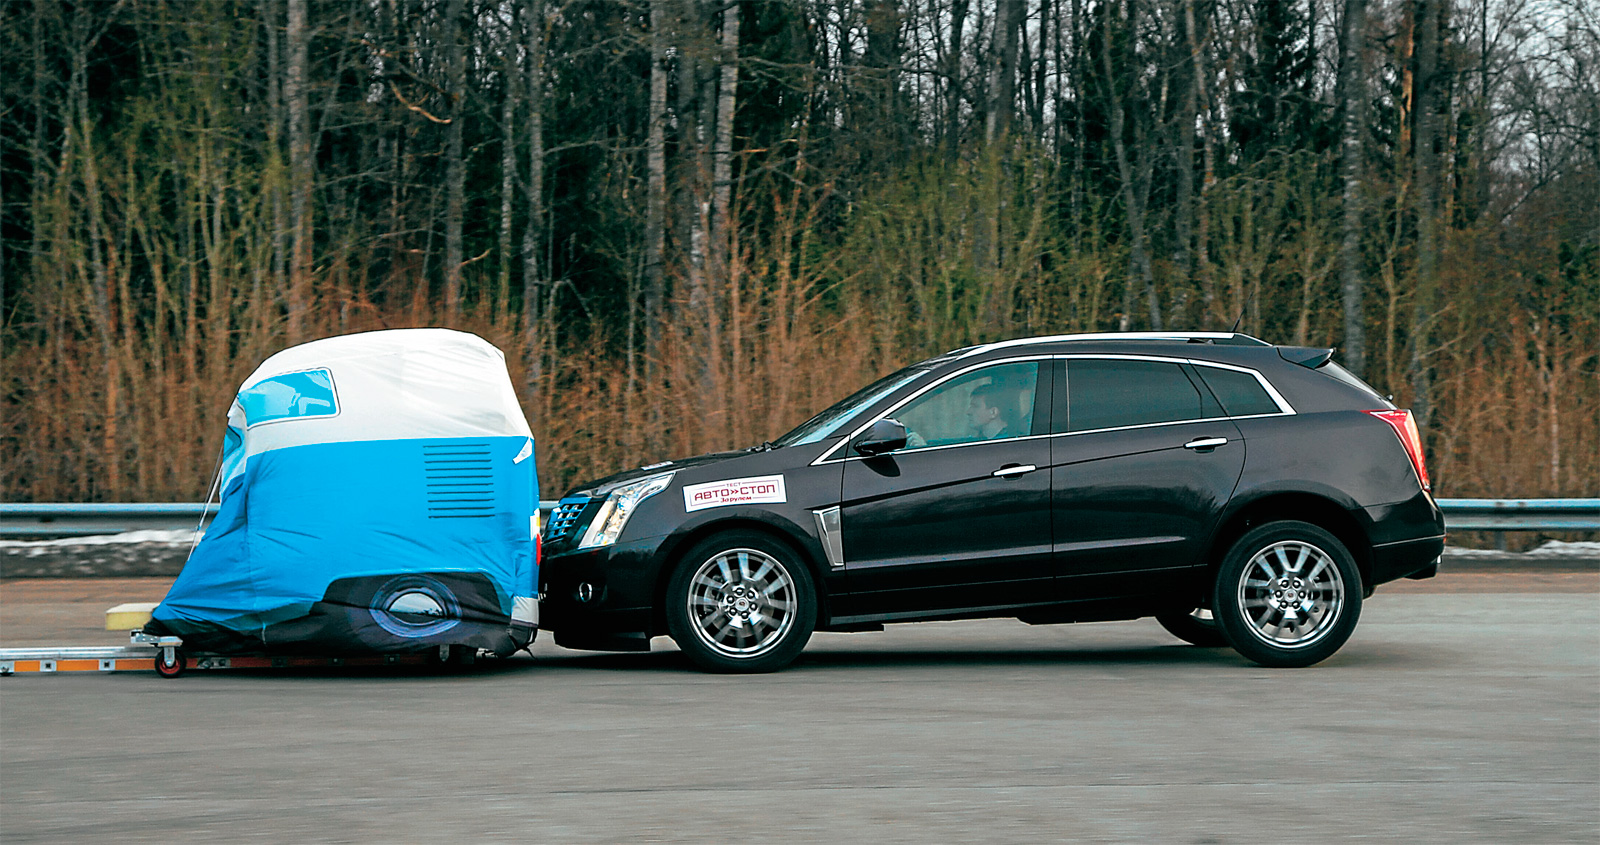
point(603, 486)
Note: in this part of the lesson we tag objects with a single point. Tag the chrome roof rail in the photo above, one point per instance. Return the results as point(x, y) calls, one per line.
point(1232, 338)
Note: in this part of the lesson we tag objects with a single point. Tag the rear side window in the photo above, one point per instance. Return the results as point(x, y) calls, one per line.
point(1241, 394)
point(1112, 394)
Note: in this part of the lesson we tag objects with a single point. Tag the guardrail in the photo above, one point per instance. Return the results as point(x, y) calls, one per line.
point(20, 521)
point(1521, 514)
point(42, 520)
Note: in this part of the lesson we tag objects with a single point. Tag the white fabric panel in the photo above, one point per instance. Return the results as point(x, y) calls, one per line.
point(393, 385)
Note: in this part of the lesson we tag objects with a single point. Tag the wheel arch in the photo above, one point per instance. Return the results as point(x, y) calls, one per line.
point(673, 550)
point(1300, 506)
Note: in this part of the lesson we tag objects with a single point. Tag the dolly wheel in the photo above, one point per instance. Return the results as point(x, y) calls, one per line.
point(170, 663)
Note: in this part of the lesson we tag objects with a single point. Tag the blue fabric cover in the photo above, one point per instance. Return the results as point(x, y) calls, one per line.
point(379, 494)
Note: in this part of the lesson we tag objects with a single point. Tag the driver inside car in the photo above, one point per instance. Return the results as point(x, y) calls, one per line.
point(991, 413)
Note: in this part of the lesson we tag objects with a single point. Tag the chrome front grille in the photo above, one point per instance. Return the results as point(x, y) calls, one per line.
point(564, 518)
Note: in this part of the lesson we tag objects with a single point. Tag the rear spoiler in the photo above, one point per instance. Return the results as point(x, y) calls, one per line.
point(1305, 356)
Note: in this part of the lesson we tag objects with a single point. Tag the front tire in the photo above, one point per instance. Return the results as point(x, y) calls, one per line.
point(741, 602)
point(1288, 594)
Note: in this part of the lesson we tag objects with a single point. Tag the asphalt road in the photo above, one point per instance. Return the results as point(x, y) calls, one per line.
point(1449, 717)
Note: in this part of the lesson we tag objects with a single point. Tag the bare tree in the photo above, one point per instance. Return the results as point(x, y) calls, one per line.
point(533, 235)
point(300, 169)
point(455, 168)
point(1003, 69)
point(1428, 83)
point(1135, 180)
point(656, 187)
point(722, 150)
point(1352, 99)
point(1186, 69)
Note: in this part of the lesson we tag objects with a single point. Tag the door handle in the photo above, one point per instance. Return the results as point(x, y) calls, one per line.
point(1014, 470)
point(1206, 444)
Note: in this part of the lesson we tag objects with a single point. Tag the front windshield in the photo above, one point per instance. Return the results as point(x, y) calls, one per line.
point(830, 421)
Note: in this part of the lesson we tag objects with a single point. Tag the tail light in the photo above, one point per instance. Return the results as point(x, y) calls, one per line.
point(1405, 427)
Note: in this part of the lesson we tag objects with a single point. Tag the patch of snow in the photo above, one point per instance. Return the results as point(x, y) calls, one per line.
point(175, 537)
point(1552, 548)
point(1556, 548)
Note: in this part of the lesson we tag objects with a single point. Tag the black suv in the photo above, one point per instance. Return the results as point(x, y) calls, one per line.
point(1242, 493)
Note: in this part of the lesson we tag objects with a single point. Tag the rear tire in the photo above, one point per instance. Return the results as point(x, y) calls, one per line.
point(1195, 627)
point(1288, 594)
point(741, 602)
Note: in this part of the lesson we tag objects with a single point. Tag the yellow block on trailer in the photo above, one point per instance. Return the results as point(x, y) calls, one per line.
point(129, 617)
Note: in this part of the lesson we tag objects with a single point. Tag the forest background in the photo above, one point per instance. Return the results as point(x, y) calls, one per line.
point(692, 224)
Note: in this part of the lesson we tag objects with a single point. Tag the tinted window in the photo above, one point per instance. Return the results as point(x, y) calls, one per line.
point(1241, 394)
point(992, 403)
point(830, 421)
point(1109, 394)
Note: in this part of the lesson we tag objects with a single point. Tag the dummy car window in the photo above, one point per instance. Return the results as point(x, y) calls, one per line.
point(1116, 393)
point(993, 403)
point(290, 396)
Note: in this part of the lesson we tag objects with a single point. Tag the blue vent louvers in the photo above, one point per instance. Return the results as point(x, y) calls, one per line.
point(459, 479)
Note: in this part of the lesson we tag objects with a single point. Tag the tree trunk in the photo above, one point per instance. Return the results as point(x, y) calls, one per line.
point(722, 153)
point(79, 144)
point(1003, 69)
point(1352, 98)
point(1038, 68)
point(694, 119)
point(952, 74)
point(508, 176)
point(1428, 223)
point(533, 235)
point(300, 170)
point(656, 189)
point(1183, 144)
point(455, 169)
point(274, 164)
point(1135, 191)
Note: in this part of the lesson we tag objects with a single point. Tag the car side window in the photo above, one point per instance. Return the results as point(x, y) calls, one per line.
point(992, 403)
point(1241, 394)
point(1117, 393)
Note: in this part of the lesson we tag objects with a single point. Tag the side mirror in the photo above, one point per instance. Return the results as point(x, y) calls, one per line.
point(883, 436)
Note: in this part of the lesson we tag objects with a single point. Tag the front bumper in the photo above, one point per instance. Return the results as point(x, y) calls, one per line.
point(601, 599)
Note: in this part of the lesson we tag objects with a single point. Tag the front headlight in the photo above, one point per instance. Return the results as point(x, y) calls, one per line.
point(619, 506)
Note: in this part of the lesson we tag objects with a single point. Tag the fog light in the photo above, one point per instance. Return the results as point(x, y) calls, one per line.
point(585, 592)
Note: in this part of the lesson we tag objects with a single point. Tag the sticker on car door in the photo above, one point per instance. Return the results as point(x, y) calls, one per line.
point(735, 491)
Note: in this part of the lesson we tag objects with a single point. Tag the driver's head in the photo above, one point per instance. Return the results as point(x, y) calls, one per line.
point(986, 409)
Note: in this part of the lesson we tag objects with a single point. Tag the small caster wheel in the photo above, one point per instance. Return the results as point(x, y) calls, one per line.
point(170, 663)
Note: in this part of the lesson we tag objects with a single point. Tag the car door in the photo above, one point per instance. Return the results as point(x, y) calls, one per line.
point(960, 517)
point(1144, 462)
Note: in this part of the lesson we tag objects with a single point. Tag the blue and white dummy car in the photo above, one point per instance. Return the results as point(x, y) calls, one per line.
point(379, 495)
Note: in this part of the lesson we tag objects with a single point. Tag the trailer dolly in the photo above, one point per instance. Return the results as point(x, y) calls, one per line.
point(167, 657)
